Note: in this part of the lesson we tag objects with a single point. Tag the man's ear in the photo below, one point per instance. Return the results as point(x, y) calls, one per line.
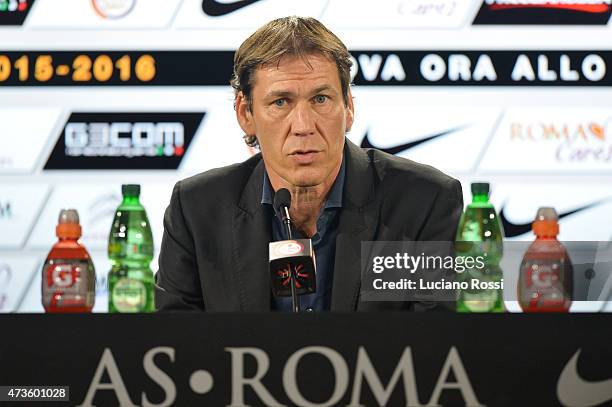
point(350, 110)
point(244, 115)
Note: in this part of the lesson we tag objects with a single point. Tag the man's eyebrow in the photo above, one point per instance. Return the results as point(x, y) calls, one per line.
point(279, 93)
point(322, 88)
point(286, 93)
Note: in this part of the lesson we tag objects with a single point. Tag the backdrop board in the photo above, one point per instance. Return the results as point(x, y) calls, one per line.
point(96, 93)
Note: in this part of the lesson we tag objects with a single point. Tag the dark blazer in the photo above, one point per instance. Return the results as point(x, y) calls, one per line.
point(214, 253)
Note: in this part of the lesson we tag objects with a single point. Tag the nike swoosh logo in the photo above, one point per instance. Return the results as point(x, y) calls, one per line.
point(573, 390)
point(365, 143)
point(215, 9)
point(512, 229)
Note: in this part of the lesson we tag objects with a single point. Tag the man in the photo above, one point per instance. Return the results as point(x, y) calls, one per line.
point(293, 101)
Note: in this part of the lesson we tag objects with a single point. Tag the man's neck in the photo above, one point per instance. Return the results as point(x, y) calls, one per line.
point(306, 202)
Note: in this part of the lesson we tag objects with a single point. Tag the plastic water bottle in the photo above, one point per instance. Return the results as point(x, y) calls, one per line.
point(130, 250)
point(480, 235)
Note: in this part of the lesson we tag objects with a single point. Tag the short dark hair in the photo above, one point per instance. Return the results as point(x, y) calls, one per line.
point(287, 36)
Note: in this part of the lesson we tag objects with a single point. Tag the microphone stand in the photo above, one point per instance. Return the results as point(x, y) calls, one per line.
point(295, 302)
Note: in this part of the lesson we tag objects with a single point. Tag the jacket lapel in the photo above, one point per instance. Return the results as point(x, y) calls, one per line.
point(251, 233)
point(357, 223)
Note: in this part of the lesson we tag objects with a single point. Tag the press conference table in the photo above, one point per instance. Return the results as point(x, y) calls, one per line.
point(189, 359)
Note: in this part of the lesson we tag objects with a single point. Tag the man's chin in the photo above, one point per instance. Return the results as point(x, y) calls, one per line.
point(307, 181)
point(306, 184)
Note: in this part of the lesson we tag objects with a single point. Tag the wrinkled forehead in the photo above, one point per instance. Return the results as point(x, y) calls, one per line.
point(306, 58)
point(315, 67)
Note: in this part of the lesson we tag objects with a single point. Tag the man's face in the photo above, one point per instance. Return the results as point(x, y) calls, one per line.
point(299, 117)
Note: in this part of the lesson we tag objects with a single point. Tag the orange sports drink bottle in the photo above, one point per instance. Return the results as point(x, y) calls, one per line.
point(546, 275)
point(68, 275)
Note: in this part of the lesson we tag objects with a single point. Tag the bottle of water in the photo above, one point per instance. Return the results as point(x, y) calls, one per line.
point(480, 235)
point(130, 250)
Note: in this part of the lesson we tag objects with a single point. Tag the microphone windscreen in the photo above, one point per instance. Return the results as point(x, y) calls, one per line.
point(282, 198)
point(296, 255)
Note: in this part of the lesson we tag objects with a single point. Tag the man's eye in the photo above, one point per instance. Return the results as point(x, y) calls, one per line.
point(320, 99)
point(279, 102)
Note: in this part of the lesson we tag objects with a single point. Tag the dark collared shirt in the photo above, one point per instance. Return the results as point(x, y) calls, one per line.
point(323, 243)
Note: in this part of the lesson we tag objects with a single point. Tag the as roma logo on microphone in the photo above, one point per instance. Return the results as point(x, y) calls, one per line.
point(289, 248)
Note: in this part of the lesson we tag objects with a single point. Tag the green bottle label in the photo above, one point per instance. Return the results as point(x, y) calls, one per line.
point(129, 295)
point(483, 301)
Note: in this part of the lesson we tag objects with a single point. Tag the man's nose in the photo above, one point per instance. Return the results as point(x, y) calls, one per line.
point(302, 120)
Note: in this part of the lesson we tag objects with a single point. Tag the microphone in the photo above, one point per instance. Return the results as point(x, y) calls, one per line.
point(292, 265)
point(282, 203)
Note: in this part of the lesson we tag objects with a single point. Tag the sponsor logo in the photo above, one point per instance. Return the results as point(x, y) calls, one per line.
point(427, 8)
point(558, 131)
point(105, 139)
point(129, 295)
point(574, 141)
point(586, 6)
point(113, 9)
point(573, 390)
point(14, 12)
point(432, 135)
point(364, 373)
point(398, 149)
point(544, 12)
point(290, 248)
point(398, 14)
point(64, 275)
point(215, 8)
point(240, 14)
point(302, 277)
point(551, 139)
point(512, 229)
point(101, 14)
point(124, 141)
